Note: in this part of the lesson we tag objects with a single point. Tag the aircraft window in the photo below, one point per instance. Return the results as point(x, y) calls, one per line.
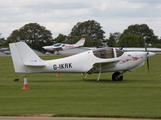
point(119, 52)
point(57, 44)
point(104, 53)
point(63, 45)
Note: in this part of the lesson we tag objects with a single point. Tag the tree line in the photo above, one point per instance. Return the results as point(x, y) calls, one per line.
point(37, 36)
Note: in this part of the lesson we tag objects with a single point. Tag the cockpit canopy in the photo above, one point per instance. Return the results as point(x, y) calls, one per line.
point(107, 53)
point(57, 44)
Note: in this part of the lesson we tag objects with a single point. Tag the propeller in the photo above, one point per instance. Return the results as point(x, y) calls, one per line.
point(122, 47)
point(147, 54)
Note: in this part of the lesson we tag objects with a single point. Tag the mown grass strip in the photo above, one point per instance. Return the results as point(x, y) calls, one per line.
point(137, 96)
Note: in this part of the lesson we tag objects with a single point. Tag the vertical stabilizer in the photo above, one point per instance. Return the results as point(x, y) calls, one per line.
point(16, 58)
point(22, 56)
point(81, 42)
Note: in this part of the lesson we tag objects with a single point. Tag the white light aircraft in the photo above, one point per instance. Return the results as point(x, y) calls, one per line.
point(92, 61)
point(61, 46)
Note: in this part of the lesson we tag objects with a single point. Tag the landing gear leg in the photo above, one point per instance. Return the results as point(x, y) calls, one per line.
point(85, 77)
point(99, 73)
point(57, 52)
point(117, 76)
point(99, 76)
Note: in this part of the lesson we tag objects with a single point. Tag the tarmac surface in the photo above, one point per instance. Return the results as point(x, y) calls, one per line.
point(67, 118)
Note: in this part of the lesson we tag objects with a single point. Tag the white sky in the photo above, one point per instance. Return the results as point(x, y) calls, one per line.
point(60, 16)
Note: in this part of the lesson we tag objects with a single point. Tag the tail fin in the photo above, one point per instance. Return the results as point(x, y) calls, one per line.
point(23, 56)
point(81, 42)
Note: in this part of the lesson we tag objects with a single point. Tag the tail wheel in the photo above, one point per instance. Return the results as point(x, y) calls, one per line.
point(115, 77)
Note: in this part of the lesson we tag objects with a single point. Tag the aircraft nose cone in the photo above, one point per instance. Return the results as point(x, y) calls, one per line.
point(44, 47)
point(150, 54)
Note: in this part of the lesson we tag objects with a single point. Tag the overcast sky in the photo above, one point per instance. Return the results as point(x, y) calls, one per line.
point(60, 16)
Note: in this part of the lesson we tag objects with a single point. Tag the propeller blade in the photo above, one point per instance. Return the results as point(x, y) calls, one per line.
point(122, 47)
point(147, 52)
point(148, 64)
point(145, 46)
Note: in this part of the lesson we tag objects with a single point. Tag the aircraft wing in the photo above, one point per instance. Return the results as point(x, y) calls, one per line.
point(101, 62)
point(125, 49)
point(107, 61)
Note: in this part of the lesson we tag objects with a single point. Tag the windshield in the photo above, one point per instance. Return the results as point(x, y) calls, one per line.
point(57, 44)
point(104, 53)
point(119, 53)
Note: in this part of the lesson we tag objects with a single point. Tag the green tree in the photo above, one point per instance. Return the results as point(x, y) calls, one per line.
point(89, 42)
point(33, 34)
point(131, 40)
point(6, 43)
point(113, 39)
point(15, 36)
point(60, 39)
point(144, 31)
point(158, 45)
point(2, 41)
point(88, 28)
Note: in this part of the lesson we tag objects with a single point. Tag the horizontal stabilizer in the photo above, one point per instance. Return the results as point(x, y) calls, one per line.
point(35, 64)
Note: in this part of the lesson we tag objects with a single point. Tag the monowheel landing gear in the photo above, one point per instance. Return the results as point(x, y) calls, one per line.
point(117, 76)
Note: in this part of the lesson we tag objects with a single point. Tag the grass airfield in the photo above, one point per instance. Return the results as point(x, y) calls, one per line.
point(137, 96)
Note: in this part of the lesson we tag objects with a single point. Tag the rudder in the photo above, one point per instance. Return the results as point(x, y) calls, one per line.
point(81, 42)
point(22, 54)
point(16, 58)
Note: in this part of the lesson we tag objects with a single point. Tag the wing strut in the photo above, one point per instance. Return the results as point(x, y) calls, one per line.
point(99, 72)
point(85, 77)
point(96, 67)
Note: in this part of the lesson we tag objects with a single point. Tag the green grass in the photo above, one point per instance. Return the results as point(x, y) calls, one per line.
point(137, 96)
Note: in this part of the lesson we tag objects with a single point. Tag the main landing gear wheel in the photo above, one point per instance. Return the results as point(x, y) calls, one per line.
point(115, 76)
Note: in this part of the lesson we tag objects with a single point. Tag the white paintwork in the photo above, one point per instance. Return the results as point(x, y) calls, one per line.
point(26, 61)
point(62, 46)
point(141, 49)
